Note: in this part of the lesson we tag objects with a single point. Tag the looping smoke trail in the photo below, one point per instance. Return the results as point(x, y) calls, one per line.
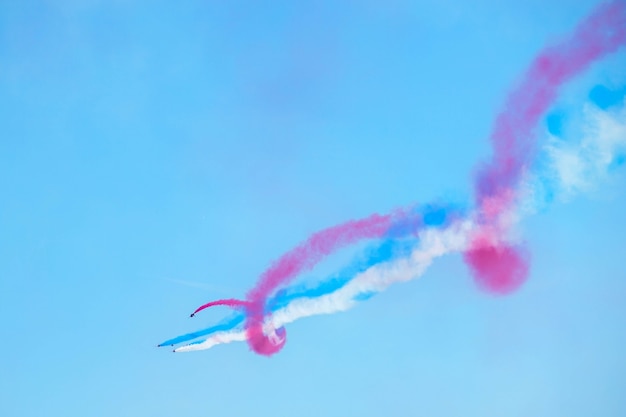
point(497, 266)
point(399, 224)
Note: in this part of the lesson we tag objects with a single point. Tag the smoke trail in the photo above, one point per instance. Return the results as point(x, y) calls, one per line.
point(603, 145)
point(433, 243)
point(403, 224)
point(304, 257)
point(497, 266)
point(388, 250)
point(399, 243)
point(601, 149)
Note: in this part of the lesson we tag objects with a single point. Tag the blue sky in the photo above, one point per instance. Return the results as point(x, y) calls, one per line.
point(157, 155)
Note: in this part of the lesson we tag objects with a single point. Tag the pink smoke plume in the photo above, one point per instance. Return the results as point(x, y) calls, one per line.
point(499, 267)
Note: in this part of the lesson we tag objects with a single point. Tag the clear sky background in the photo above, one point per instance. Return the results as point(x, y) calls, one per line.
point(155, 155)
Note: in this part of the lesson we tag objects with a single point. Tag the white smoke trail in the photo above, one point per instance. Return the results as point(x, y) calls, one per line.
point(575, 168)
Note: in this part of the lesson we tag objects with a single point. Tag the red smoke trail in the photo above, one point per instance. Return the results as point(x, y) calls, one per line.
point(229, 302)
point(499, 267)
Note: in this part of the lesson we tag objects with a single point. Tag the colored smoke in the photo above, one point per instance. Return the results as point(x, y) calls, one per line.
point(497, 265)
